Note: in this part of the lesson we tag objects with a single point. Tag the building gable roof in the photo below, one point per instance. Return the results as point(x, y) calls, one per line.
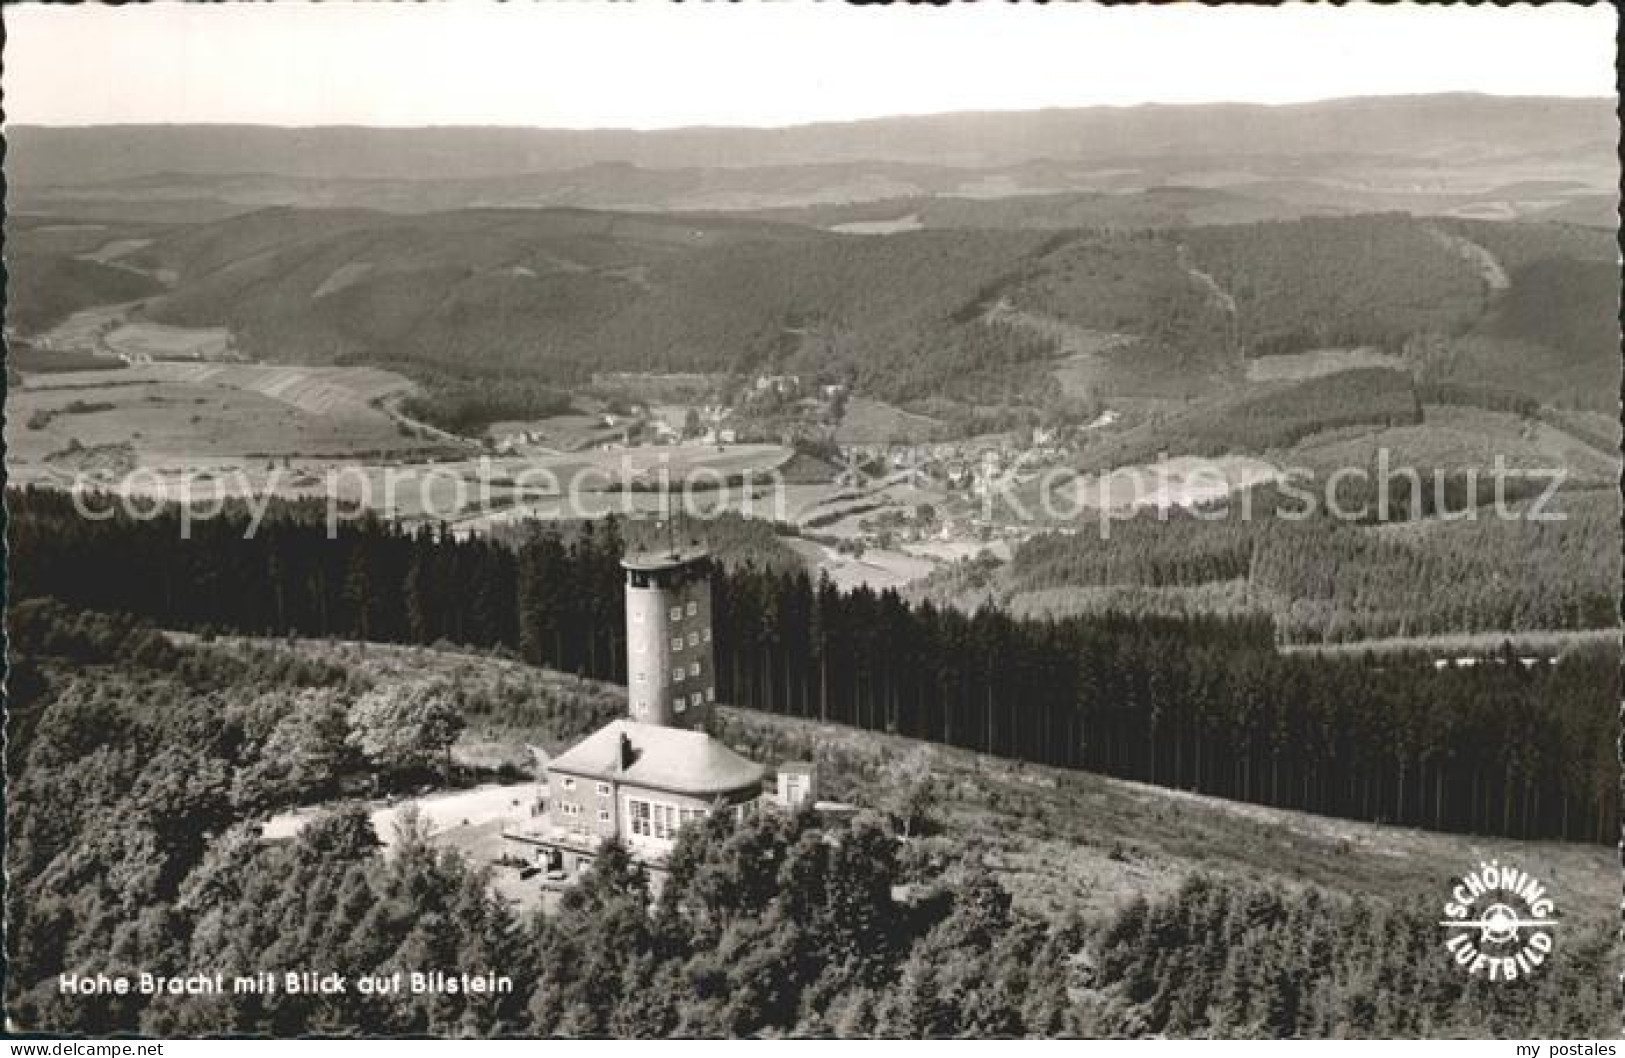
point(664, 758)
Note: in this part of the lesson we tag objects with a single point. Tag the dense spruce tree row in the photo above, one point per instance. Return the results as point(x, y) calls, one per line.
point(139, 768)
point(1325, 580)
point(1206, 704)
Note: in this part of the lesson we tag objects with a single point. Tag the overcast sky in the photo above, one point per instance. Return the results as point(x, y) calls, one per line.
point(649, 65)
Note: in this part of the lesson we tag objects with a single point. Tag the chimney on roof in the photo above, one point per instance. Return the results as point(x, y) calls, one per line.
point(627, 756)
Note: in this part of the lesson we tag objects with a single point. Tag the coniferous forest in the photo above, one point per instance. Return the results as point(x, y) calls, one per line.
point(141, 770)
point(1500, 747)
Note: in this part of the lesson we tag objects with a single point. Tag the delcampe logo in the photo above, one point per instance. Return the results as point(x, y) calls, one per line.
point(1499, 920)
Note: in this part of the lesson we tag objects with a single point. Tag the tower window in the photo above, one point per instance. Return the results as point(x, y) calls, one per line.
point(676, 614)
point(710, 694)
point(677, 642)
point(677, 676)
point(679, 705)
point(694, 669)
point(706, 635)
point(693, 608)
point(693, 639)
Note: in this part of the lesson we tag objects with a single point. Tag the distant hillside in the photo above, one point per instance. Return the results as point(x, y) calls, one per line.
point(1337, 282)
point(474, 303)
point(975, 316)
point(562, 294)
point(42, 290)
point(1146, 166)
point(1440, 127)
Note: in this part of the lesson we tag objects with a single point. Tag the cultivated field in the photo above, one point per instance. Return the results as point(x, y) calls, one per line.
point(221, 417)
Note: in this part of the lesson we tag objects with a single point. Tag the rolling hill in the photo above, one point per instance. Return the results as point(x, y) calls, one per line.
point(1438, 126)
point(1479, 155)
point(974, 316)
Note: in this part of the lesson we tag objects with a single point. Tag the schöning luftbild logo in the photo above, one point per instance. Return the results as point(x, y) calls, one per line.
point(1500, 921)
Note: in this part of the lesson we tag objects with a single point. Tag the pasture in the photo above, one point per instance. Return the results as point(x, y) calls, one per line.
point(877, 568)
point(1295, 367)
point(911, 222)
point(875, 422)
point(1184, 481)
point(139, 342)
point(561, 433)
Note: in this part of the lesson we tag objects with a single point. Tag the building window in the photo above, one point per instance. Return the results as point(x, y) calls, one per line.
point(706, 635)
point(693, 639)
point(659, 820)
point(570, 808)
point(694, 669)
point(637, 617)
point(710, 694)
point(638, 816)
point(676, 614)
point(677, 643)
point(568, 783)
point(693, 608)
point(677, 676)
point(698, 698)
point(679, 704)
point(603, 789)
point(603, 815)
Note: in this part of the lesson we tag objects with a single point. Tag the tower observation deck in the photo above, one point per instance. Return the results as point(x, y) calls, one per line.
point(670, 666)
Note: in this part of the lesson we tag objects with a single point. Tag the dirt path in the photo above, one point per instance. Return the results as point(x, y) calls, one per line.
point(1489, 269)
point(390, 406)
point(1219, 298)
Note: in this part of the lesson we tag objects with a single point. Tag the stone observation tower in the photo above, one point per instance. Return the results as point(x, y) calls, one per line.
point(670, 667)
point(641, 779)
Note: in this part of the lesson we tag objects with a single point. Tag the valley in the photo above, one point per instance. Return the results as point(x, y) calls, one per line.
point(592, 521)
point(910, 358)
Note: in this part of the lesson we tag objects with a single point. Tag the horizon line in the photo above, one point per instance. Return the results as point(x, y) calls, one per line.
point(8, 123)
